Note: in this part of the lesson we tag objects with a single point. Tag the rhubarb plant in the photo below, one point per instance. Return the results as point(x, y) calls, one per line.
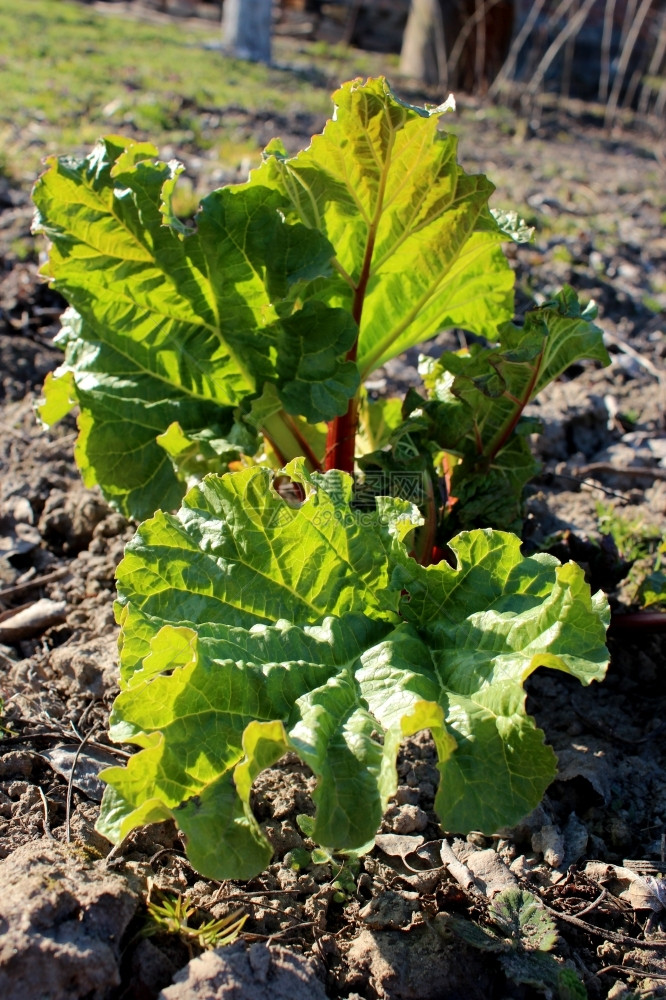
point(248, 338)
point(286, 590)
point(254, 624)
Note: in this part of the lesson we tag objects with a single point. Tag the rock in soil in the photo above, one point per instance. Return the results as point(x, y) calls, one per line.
point(418, 965)
point(259, 972)
point(62, 918)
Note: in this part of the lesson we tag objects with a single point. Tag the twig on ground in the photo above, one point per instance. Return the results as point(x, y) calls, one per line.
point(70, 787)
point(277, 934)
point(36, 581)
point(47, 828)
point(593, 905)
point(456, 868)
point(264, 892)
point(614, 936)
point(589, 485)
point(630, 970)
point(17, 739)
point(626, 348)
point(244, 898)
point(82, 721)
point(460, 872)
point(32, 620)
point(5, 662)
point(626, 470)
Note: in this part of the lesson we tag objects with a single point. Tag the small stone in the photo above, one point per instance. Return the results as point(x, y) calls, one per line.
point(477, 840)
point(261, 972)
point(16, 764)
point(408, 819)
point(404, 795)
point(549, 841)
point(63, 921)
point(519, 866)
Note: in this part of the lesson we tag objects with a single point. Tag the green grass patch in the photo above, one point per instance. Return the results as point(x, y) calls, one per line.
point(69, 73)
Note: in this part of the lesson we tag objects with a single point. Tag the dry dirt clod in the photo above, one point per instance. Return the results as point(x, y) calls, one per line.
point(260, 972)
point(62, 921)
point(491, 875)
point(418, 965)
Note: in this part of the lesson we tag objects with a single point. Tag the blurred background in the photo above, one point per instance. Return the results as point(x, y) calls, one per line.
point(222, 78)
point(610, 51)
point(560, 102)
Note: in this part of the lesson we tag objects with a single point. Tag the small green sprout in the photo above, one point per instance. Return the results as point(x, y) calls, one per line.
point(640, 543)
point(633, 536)
point(5, 730)
point(174, 915)
point(298, 859)
point(652, 590)
point(346, 862)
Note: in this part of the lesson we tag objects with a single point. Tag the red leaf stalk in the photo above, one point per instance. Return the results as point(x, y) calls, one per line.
point(341, 438)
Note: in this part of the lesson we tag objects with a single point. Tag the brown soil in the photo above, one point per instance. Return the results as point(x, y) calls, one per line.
point(72, 915)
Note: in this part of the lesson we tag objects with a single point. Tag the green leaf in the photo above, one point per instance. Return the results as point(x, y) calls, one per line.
point(519, 915)
point(124, 414)
point(305, 824)
point(260, 303)
point(237, 553)
point(193, 321)
point(477, 399)
point(569, 986)
point(59, 397)
point(298, 859)
point(653, 589)
point(488, 623)
point(497, 383)
point(252, 625)
point(378, 419)
point(234, 707)
point(195, 454)
point(471, 933)
point(413, 236)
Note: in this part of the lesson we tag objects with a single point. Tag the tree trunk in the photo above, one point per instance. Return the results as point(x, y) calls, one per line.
point(423, 53)
point(246, 29)
point(457, 44)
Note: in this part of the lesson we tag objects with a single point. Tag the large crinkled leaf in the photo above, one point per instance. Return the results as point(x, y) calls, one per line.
point(489, 622)
point(130, 423)
point(205, 317)
point(197, 723)
point(193, 308)
point(252, 625)
point(259, 303)
point(415, 243)
point(238, 553)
